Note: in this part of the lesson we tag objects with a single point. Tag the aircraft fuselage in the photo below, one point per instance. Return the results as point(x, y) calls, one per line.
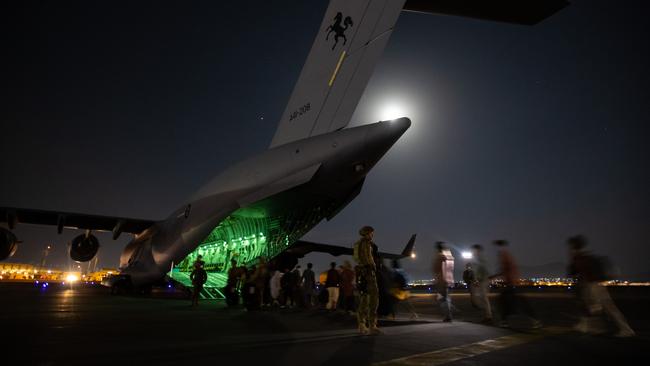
point(316, 174)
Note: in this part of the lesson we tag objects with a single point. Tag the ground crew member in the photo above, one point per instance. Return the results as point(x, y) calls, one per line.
point(366, 282)
point(198, 277)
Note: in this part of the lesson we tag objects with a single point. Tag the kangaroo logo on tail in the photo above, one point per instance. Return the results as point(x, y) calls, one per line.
point(338, 30)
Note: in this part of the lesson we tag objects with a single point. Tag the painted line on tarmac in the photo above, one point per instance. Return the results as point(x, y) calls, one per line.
point(451, 354)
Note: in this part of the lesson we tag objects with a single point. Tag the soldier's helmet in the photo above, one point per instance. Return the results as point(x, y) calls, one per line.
point(364, 231)
point(577, 242)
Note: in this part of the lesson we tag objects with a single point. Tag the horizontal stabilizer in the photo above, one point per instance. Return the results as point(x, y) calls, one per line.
point(301, 248)
point(528, 12)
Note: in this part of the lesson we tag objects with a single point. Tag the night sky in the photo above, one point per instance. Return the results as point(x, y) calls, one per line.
point(531, 134)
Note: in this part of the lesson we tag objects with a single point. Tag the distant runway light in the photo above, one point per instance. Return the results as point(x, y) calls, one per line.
point(466, 255)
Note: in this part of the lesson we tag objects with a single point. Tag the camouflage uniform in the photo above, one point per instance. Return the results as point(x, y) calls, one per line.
point(369, 296)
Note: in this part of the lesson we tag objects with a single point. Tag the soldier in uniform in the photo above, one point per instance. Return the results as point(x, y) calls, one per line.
point(366, 282)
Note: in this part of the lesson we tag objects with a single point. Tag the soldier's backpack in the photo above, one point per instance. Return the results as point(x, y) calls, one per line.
point(285, 280)
point(400, 280)
point(601, 268)
point(468, 276)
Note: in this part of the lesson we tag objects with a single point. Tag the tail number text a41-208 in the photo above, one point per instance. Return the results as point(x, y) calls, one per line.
point(300, 111)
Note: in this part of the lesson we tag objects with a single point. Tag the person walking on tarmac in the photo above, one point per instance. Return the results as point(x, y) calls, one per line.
point(332, 284)
point(443, 272)
point(198, 277)
point(510, 300)
point(481, 285)
point(590, 271)
point(347, 287)
point(366, 282)
point(309, 285)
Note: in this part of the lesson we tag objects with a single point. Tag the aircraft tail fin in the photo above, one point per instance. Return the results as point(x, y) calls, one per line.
point(350, 40)
point(408, 249)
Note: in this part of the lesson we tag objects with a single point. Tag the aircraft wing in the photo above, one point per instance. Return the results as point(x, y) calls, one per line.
point(302, 247)
point(13, 216)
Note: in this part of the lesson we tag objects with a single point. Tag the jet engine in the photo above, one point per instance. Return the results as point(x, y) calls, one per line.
point(84, 247)
point(8, 243)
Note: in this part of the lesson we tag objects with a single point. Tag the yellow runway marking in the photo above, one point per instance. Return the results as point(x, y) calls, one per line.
point(447, 355)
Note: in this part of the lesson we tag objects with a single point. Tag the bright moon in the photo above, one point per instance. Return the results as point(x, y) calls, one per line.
point(392, 111)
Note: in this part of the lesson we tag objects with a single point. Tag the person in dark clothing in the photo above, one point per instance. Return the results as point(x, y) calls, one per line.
point(347, 286)
point(309, 285)
point(332, 284)
point(510, 299)
point(296, 290)
point(286, 284)
point(468, 278)
point(387, 301)
point(383, 277)
point(249, 291)
point(232, 285)
point(468, 275)
point(198, 277)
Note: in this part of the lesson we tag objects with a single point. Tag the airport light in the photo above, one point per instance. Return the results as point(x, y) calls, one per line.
point(466, 255)
point(413, 255)
point(72, 278)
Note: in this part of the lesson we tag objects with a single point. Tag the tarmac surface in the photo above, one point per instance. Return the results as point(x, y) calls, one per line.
point(64, 325)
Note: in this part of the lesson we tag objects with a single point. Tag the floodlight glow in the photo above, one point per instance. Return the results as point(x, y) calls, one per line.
point(412, 255)
point(467, 255)
point(71, 278)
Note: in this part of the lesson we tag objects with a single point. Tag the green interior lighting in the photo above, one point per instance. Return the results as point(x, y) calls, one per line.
point(246, 235)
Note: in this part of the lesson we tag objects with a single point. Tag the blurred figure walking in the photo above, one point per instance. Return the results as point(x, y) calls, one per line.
point(332, 284)
point(287, 287)
point(589, 271)
point(468, 277)
point(296, 288)
point(510, 300)
point(309, 285)
point(481, 284)
point(276, 286)
point(400, 290)
point(347, 287)
point(443, 273)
